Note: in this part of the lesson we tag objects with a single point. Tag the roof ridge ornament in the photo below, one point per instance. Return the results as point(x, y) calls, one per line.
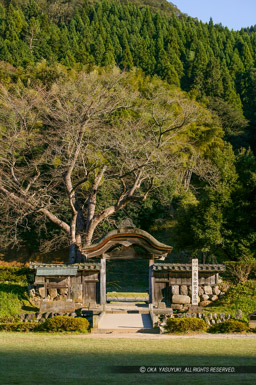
point(126, 223)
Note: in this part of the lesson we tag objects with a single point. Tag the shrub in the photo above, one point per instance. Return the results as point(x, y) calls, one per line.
point(18, 327)
point(229, 326)
point(15, 274)
point(9, 319)
point(241, 296)
point(65, 324)
point(183, 325)
point(240, 270)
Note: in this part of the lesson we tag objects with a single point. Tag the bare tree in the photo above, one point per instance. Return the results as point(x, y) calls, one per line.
point(60, 147)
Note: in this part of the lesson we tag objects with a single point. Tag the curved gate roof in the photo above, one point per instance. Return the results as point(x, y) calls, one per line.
point(127, 237)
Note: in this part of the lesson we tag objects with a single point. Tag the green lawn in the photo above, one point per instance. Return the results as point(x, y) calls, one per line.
point(71, 359)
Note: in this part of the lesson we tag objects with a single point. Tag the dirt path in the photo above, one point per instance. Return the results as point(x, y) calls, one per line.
point(147, 336)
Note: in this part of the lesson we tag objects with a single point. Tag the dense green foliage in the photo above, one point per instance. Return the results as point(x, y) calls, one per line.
point(201, 56)
point(56, 324)
point(222, 223)
point(14, 300)
point(229, 326)
point(207, 58)
point(184, 325)
point(242, 269)
point(241, 296)
point(13, 291)
point(14, 275)
point(18, 327)
point(44, 42)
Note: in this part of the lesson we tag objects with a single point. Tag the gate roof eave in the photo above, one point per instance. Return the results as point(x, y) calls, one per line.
point(127, 237)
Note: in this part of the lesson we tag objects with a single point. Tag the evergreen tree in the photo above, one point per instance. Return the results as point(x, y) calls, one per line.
point(109, 57)
point(165, 70)
point(98, 50)
point(236, 65)
point(127, 61)
point(213, 80)
point(199, 65)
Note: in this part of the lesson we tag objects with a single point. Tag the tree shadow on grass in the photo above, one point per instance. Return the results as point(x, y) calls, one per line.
point(36, 367)
point(67, 359)
point(18, 290)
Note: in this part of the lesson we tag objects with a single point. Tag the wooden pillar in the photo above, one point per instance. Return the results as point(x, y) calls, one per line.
point(103, 281)
point(69, 289)
point(45, 287)
point(151, 281)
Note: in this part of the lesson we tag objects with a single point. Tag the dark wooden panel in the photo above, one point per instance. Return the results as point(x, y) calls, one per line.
point(186, 281)
point(57, 282)
point(76, 280)
point(89, 292)
point(91, 276)
point(160, 275)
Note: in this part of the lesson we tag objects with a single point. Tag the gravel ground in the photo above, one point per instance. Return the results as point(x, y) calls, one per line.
point(148, 336)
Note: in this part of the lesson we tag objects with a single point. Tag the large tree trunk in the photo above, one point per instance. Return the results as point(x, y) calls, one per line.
point(72, 253)
point(75, 254)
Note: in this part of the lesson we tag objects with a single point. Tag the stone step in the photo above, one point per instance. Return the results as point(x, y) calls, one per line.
point(126, 311)
point(125, 321)
point(127, 299)
point(132, 303)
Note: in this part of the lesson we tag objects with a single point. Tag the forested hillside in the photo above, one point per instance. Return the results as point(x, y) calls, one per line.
point(44, 43)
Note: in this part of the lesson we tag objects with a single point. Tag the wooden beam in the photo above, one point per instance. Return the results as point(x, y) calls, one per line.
point(69, 289)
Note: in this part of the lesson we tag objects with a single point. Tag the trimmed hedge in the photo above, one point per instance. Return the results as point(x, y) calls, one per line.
point(229, 326)
point(10, 319)
point(183, 325)
point(55, 324)
point(18, 327)
point(65, 324)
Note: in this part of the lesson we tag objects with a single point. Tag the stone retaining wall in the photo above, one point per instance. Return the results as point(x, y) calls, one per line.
point(182, 295)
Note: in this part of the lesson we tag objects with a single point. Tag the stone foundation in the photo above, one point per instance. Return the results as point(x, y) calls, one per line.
point(182, 295)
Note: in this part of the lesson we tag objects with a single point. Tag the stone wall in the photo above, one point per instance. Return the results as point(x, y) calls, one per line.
point(181, 296)
point(37, 294)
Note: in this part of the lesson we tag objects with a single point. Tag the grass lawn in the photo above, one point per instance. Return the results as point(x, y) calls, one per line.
point(70, 359)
